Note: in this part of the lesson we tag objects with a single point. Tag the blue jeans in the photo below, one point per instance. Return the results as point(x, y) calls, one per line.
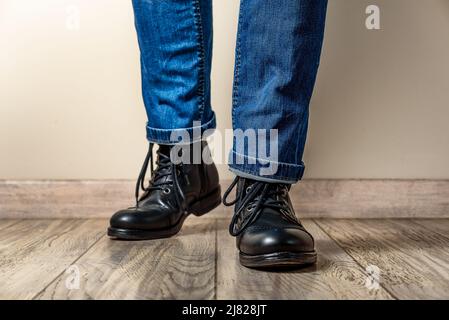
point(277, 57)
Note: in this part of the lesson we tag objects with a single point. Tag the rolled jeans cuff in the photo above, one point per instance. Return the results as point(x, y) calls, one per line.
point(175, 136)
point(258, 169)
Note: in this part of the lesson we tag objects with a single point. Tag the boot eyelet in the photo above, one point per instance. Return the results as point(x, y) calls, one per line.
point(166, 190)
point(248, 189)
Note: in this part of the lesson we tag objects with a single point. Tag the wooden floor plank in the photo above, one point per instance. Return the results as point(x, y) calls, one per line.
point(34, 252)
point(413, 259)
point(6, 223)
point(182, 267)
point(437, 225)
point(412, 255)
point(336, 275)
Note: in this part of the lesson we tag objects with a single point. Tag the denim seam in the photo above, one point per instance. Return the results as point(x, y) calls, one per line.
point(252, 172)
point(268, 161)
point(237, 64)
point(161, 136)
point(246, 169)
point(188, 128)
point(201, 57)
point(256, 174)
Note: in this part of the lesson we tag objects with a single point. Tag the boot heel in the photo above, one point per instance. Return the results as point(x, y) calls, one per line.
point(206, 204)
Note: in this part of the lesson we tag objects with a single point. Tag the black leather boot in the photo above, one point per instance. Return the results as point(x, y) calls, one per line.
point(175, 191)
point(267, 230)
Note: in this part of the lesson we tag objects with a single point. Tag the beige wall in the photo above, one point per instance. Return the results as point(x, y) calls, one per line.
point(70, 105)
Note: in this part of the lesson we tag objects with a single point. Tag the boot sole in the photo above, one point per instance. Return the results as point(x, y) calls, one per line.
point(278, 259)
point(198, 208)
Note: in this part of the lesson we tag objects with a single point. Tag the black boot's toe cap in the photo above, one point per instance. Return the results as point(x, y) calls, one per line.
point(266, 240)
point(148, 219)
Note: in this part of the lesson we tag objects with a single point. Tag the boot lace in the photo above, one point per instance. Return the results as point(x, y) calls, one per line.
point(165, 167)
point(249, 206)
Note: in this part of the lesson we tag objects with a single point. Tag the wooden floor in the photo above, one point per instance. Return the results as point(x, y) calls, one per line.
point(41, 259)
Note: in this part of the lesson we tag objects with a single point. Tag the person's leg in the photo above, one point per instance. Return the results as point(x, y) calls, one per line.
point(175, 40)
point(277, 57)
